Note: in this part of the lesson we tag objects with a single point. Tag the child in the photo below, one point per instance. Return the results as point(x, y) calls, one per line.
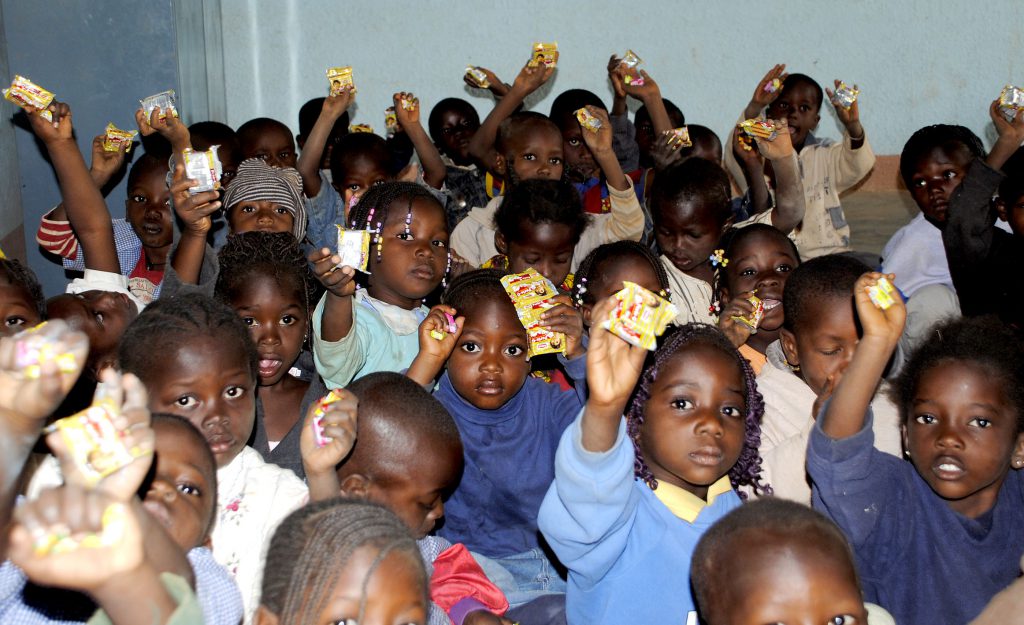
point(452, 124)
point(408, 458)
point(602, 273)
point(502, 413)
point(341, 561)
point(359, 331)
point(203, 136)
point(308, 115)
point(934, 538)
point(632, 496)
point(265, 278)
point(774, 561)
point(646, 138)
point(827, 169)
point(819, 336)
point(197, 360)
point(979, 253)
point(268, 140)
point(22, 304)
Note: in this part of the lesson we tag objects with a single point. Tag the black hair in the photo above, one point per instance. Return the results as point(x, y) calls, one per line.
point(981, 341)
point(768, 522)
point(694, 178)
point(209, 460)
point(747, 470)
point(22, 276)
point(818, 280)
point(312, 546)
point(1012, 187)
point(169, 322)
point(371, 213)
point(541, 201)
point(592, 270)
point(473, 287)
point(207, 134)
point(449, 104)
point(730, 240)
point(803, 79)
point(310, 112)
point(569, 101)
point(273, 254)
point(517, 123)
point(144, 164)
point(250, 130)
point(361, 145)
point(675, 115)
point(699, 135)
point(948, 137)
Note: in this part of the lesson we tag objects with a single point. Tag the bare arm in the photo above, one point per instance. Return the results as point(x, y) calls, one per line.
point(434, 171)
point(313, 151)
point(481, 146)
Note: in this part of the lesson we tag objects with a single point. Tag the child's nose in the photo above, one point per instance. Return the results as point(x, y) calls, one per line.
point(709, 423)
point(948, 437)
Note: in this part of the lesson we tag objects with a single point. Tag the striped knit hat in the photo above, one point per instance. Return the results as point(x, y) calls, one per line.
point(256, 181)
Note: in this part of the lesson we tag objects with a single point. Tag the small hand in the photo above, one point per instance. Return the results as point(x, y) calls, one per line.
point(883, 324)
point(340, 281)
point(1013, 131)
point(437, 324)
point(665, 152)
point(778, 148)
point(736, 332)
point(616, 80)
point(194, 210)
point(339, 425)
point(406, 117)
point(26, 401)
point(613, 365)
point(847, 116)
point(105, 164)
point(60, 129)
point(645, 91)
point(599, 142)
point(531, 78)
point(763, 98)
point(565, 318)
point(169, 127)
point(336, 105)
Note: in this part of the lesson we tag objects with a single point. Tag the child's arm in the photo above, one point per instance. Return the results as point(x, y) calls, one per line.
point(761, 97)
point(102, 168)
point(312, 152)
point(849, 404)
point(849, 117)
point(321, 463)
point(619, 100)
point(170, 127)
point(194, 211)
point(497, 88)
point(86, 209)
point(789, 190)
point(481, 146)
point(600, 145)
point(434, 170)
point(340, 285)
point(650, 94)
point(434, 352)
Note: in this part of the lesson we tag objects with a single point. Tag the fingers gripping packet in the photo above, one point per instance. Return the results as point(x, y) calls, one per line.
point(24, 92)
point(164, 100)
point(630, 60)
point(40, 345)
point(354, 248)
point(545, 54)
point(477, 77)
point(588, 121)
point(772, 85)
point(203, 167)
point(410, 102)
point(679, 137)
point(450, 328)
point(882, 293)
point(113, 525)
point(340, 78)
point(639, 316)
point(845, 95)
point(1011, 100)
point(755, 317)
point(760, 128)
point(319, 414)
point(531, 294)
point(115, 139)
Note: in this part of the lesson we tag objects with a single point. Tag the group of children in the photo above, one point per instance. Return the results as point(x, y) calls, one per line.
point(318, 437)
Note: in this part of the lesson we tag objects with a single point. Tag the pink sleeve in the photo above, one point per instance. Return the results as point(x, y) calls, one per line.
point(457, 577)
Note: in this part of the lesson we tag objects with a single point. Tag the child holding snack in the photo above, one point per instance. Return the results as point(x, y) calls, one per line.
point(502, 412)
point(22, 304)
point(632, 495)
point(452, 124)
point(934, 538)
point(603, 271)
point(198, 361)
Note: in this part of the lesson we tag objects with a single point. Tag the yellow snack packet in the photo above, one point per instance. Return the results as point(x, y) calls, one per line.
point(340, 78)
point(24, 92)
point(760, 128)
point(639, 316)
point(545, 54)
point(353, 248)
point(115, 139)
point(318, 416)
point(679, 136)
point(588, 121)
point(95, 445)
point(755, 317)
point(531, 294)
point(477, 77)
point(390, 120)
point(38, 345)
point(360, 128)
point(882, 293)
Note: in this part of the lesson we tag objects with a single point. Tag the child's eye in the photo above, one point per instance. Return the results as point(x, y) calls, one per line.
point(470, 347)
point(925, 419)
point(98, 316)
point(784, 268)
point(747, 272)
point(12, 322)
point(732, 411)
point(575, 142)
point(234, 392)
point(186, 401)
point(284, 155)
point(842, 619)
point(281, 210)
point(830, 352)
point(288, 320)
point(346, 621)
point(514, 350)
point(949, 174)
point(189, 489)
point(249, 321)
point(439, 243)
point(919, 183)
point(248, 209)
point(139, 199)
point(529, 157)
point(980, 422)
point(353, 187)
point(682, 404)
point(405, 236)
point(555, 161)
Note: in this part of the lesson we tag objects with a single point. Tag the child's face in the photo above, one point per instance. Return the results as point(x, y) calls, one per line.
point(611, 275)
point(259, 216)
point(687, 232)
point(761, 263)
point(277, 320)
point(824, 343)
point(181, 495)
point(274, 145)
point(578, 159)
point(547, 247)
point(798, 104)
point(148, 208)
point(411, 266)
point(934, 178)
point(791, 583)
point(456, 131)
point(102, 315)
point(393, 592)
point(361, 173)
point(18, 310)
point(489, 364)
point(208, 382)
point(535, 153)
point(961, 433)
point(645, 135)
point(695, 419)
point(228, 164)
point(1012, 212)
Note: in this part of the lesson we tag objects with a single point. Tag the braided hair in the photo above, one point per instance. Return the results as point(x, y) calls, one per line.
point(592, 269)
point(474, 287)
point(20, 275)
point(747, 470)
point(312, 546)
point(730, 240)
point(273, 254)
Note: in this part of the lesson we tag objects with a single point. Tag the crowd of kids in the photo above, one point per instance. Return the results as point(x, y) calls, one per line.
point(294, 385)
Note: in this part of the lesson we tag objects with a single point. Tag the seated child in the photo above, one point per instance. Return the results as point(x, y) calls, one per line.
point(374, 328)
point(408, 458)
point(197, 360)
point(819, 336)
point(341, 561)
point(452, 124)
point(502, 413)
point(775, 561)
point(827, 169)
point(22, 304)
point(632, 495)
point(268, 140)
point(935, 538)
point(602, 272)
point(265, 278)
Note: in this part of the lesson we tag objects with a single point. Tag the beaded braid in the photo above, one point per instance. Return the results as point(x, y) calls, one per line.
point(274, 254)
point(609, 252)
point(731, 238)
point(474, 286)
point(747, 470)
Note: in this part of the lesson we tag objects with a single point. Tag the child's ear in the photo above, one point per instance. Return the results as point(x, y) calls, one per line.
point(1017, 459)
point(1000, 209)
point(726, 295)
point(904, 438)
point(500, 243)
point(355, 485)
point(788, 341)
point(264, 616)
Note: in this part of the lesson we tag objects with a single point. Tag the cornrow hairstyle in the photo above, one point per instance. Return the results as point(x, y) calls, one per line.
point(537, 202)
point(517, 123)
point(981, 341)
point(473, 287)
point(168, 323)
point(22, 276)
point(314, 544)
point(730, 240)
point(947, 137)
point(591, 271)
point(449, 104)
point(144, 164)
point(273, 254)
point(361, 145)
point(210, 462)
point(819, 279)
point(693, 179)
point(747, 470)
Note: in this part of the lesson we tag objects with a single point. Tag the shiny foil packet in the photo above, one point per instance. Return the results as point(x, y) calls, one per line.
point(882, 293)
point(639, 316)
point(116, 140)
point(631, 76)
point(772, 85)
point(340, 79)
point(96, 447)
point(360, 128)
point(531, 294)
point(39, 345)
point(319, 414)
point(390, 120)
point(477, 77)
point(163, 100)
point(759, 128)
point(204, 167)
point(24, 92)
point(545, 54)
point(1011, 100)
point(845, 95)
point(679, 136)
point(588, 121)
point(354, 248)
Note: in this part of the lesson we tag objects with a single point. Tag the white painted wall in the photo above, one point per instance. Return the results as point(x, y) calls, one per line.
point(917, 62)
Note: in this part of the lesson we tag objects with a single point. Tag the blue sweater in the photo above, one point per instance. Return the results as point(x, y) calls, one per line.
point(917, 558)
point(628, 555)
point(510, 462)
